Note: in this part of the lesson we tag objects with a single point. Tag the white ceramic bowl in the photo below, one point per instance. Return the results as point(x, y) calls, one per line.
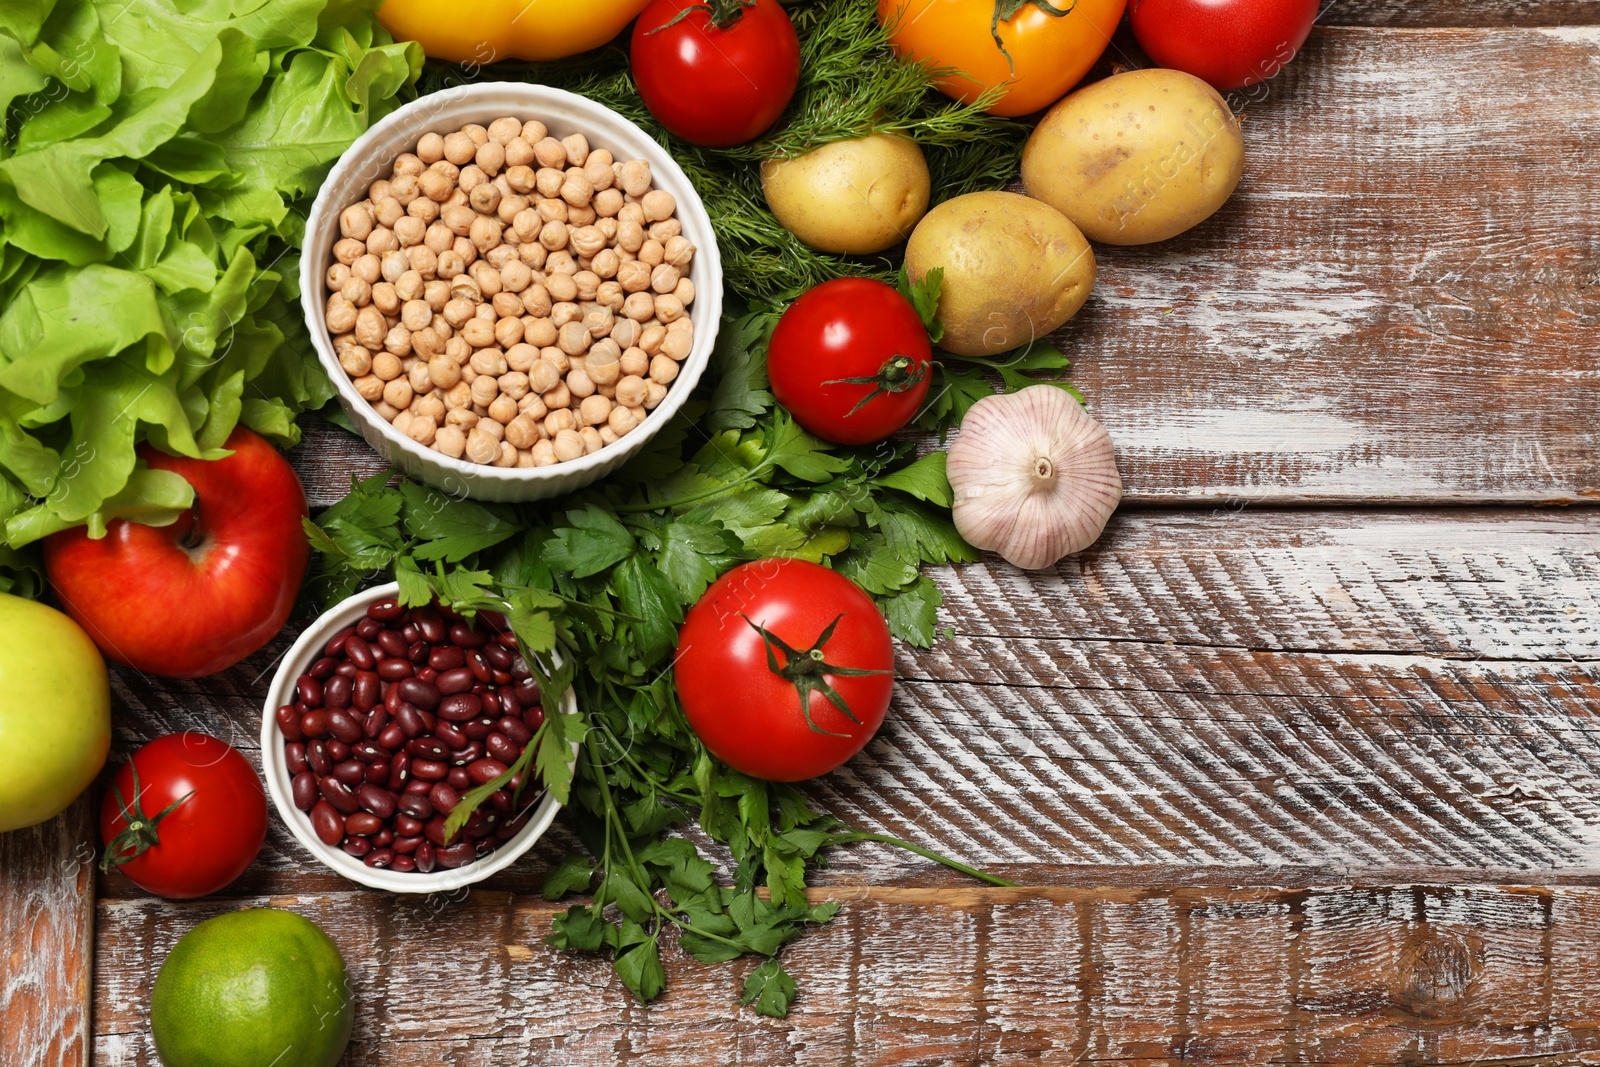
point(371, 158)
point(299, 658)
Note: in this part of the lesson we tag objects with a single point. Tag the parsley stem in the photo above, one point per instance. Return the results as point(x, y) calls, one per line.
point(885, 839)
point(694, 498)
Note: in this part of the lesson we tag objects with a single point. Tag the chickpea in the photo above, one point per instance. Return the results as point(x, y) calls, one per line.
point(490, 157)
point(436, 294)
point(459, 218)
point(657, 393)
point(549, 152)
point(507, 306)
point(533, 407)
point(575, 148)
point(536, 301)
point(633, 276)
point(356, 221)
point(424, 209)
point(684, 291)
point(356, 361)
point(336, 276)
point(439, 237)
point(407, 163)
point(586, 240)
point(519, 176)
point(490, 361)
point(386, 299)
point(543, 453)
point(588, 285)
point(606, 203)
point(450, 264)
point(444, 371)
point(370, 327)
point(553, 235)
point(382, 240)
point(398, 393)
point(458, 395)
point(664, 279)
point(387, 212)
point(485, 199)
point(408, 287)
point(604, 363)
point(482, 448)
point(341, 313)
point(631, 212)
point(430, 148)
point(639, 307)
point(592, 441)
point(669, 309)
point(559, 397)
point(573, 339)
point(554, 355)
point(561, 287)
point(576, 189)
point(579, 383)
point(398, 341)
point(386, 411)
point(665, 230)
point(658, 204)
point(370, 387)
point(568, 446)
point(583, 215)
point(516, 276)
point(484, 390)
point(630, 236)
point(508, 332)
point(624, 418)
point(526, 225)
point(547, 182)
point(634, 177)
point(563, 313)
point(462, 417)
point(458, 148)
point(652, 253)
point(675, 347)
point(368, 267)
point(451, 441)
point(594, 410)
point(423, 430)
point(678, 251)
point(401, 419)
point(543, 376)
point(486, 233)
point(415, 314)
point(502, 409)
point(510, 207)
point(410, 231)
point(633, 362)
point(560, 419)
point(650, 340)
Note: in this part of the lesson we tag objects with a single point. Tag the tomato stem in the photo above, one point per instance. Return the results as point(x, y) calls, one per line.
point(1006, 10)
point(897, 374)
point(807, 671)
point(721, 13)
point(141, 833)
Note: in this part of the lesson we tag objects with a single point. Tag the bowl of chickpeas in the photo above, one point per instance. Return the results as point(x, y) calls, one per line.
point(512, 288)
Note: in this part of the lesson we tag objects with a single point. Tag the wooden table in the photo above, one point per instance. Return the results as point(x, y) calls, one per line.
point(1301, 764)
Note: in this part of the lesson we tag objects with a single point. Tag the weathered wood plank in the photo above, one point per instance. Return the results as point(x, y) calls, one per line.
point(1399, 304)
point(47, 912)
point(1385, 975)
point(1447, 13)
point(1287, 695)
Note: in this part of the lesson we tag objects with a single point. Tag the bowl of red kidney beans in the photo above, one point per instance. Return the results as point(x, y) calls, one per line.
point(380, 719)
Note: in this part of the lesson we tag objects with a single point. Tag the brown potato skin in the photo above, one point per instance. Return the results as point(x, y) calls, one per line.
point(1136, 158)
point(1014, 270)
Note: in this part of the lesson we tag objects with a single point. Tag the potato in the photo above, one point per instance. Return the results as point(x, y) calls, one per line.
point(1136, 158)
point(1014, 269)
point(851, 197)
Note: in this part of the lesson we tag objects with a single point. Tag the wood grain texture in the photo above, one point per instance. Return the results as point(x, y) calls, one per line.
point(1288, 695)
point(1447, 13)
point(1384, 975)
point(47, 911)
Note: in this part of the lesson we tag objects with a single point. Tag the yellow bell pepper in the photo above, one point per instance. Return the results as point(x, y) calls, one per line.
point(484, 31)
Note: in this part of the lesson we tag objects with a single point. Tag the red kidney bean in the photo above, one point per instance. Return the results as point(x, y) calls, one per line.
point(479, 666)
point(378, 773)
point(434, 830)
point(486, 770)
point(459, 778)
point(449, 733)
point(399, 770)
point(360, 653)
point(404, 864)
point(294, 757)
point(362, 823)
point(501, 677)
point(416, 807)
point(491, 703)
point(376, 722)
point(367, 752)
point(534, 717)
point(516, 824)
point(423, 695)
point(357, 846)
point(456, 680)
point(425, 858)
point(366, 690)
point(336, 643)
point(410, 632)
point(392, 738)
point(455, 855)
point(443, 798)
point(380, 858)
point(428, 770)
point(507, 639)
point(304, 788)
point(515, 730)
point(528, 692)
point(309, 690)
point(317, 759)
point(482, 824)
point(446, 658)
point(427, 748)
point(519, 668)
point(427, 674)
point(459, 707)
point(473, 752)
point(392, 670)
point(467, 637)
point(314, 724)
point(336, 694)
point(393, 644)
point(350, 772)
point(406, 826)
point(380, 802)
point(430, 624)
point(386, 610)
point(504, 833)
point(500, 747)
point(322, 668)
point(405, 844)
point(344, 726)
point(289, 723)
point(338, 794)
point(509, 704)
point(366, 629)
point(327, 824)
point(418, 787)
point(498, 657)
point(500, 800)
point(478, 729)
point(391, 699)
point(418, 653)
point(338, 751)
point(347, 670)
point(383, 838)
point(410, 721)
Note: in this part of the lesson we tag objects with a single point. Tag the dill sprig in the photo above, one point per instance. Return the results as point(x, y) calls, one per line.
point(851, 85)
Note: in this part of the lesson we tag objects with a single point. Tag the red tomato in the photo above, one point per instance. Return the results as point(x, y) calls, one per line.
point(199, 816)
point(720, 74)
point(850, 360)
point(761, 703)
point(1229, 43)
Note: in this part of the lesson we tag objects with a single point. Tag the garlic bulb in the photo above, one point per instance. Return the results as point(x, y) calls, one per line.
point(1033, 475)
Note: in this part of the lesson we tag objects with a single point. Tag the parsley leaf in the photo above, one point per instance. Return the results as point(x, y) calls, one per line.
point(925, 479)
point(771, 988)
point(914, 614)
point(594, 541)
point(924, 296)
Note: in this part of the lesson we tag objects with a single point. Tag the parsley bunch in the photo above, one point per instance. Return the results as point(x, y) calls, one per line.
point(597, 590)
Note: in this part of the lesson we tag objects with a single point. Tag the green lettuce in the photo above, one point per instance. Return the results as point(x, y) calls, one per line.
point(156, 167)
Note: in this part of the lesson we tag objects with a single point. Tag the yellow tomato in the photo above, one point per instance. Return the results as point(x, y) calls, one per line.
point(1049, 54)
point(489, 30)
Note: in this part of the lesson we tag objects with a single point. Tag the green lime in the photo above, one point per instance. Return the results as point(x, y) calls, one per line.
point(256, 988)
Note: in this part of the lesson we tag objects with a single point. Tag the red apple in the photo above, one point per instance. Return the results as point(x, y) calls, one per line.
point(198, 596)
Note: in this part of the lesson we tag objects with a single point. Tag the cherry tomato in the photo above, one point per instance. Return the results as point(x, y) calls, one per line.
point(850, 360)
point(717, 73)
point(800, 698)
point(1229, 43)
point(198, 816)
point(1048, 54)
